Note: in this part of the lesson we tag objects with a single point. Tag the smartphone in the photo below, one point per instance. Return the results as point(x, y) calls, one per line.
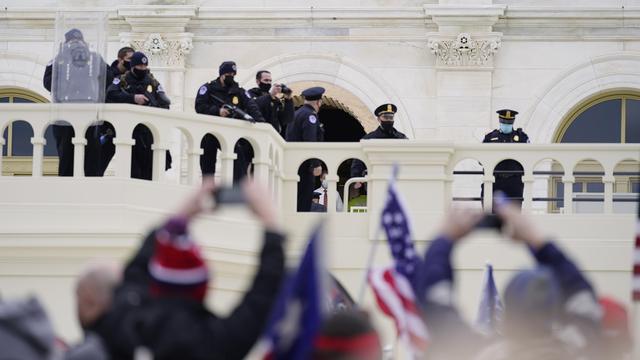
point(490, 221)
point(228, 196)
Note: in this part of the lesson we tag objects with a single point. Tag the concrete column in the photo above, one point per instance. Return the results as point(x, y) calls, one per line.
point(608, 181)
point(527, 193)
point(261, 171)
point(122, 157)
point(38, 155)
point(332, 192)
point(488, 193)
point(79, 144)
point(226, 167)
point(159, 161)
point(193, 173)
point(568, 193)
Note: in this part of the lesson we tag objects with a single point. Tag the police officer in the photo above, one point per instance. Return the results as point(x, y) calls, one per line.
point(306, 127)
point(385, 114)
point(508, 173)
point(63, 131)
point(138, 86)
point(123, 63)
point(275, 102)
point(220, 97)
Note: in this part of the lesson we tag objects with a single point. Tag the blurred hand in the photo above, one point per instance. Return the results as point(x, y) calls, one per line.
point(201, 200)
point(459, 223)
point(261, 204)
point(224, 112)
point(317, 171)
point(140, 99)
point(517, 226)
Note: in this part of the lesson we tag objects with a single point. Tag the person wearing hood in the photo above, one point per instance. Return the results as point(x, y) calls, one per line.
point(220, 97)
point(385, 114)
point(160, 304)
point(138, 86)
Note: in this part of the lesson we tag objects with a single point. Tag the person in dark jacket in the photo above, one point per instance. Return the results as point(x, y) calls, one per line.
point(159, 304)
point(306, 127)
point(385, 114)
point(123, 63)
point(539, 303)
point(138, 86)
point(274, 101)
point(508, 173)
point(220, 97)
point(63, 132)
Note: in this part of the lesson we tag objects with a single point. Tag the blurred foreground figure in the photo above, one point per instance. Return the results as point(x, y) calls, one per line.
point(347, 335)
point(159, 307)
point(551, 311)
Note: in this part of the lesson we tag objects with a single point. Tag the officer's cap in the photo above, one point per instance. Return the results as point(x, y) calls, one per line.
point(139, 58)
point(386, 109)
point(227, 67)
point(73, 34)
point(314, 93)
point(507, 116)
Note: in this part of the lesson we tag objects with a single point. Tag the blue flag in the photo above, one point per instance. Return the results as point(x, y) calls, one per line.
point(297, 315)
point(490, 309)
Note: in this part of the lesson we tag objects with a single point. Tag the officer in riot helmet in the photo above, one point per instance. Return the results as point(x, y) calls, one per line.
point(274, 100)
point(508, 173)
point(77, 75)
point(225, 98)
point(139, 86)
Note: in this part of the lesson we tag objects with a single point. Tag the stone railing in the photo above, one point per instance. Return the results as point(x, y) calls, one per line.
point(427, 168)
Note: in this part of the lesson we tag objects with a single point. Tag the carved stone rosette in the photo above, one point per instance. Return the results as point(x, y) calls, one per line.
point(464, 50)
point(163, 50)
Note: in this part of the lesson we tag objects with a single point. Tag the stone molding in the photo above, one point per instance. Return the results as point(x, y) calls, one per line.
point(163, 50)
point(465, 49)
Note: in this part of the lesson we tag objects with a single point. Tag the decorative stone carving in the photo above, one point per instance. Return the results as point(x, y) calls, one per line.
point(464, 50)
point(163, 51)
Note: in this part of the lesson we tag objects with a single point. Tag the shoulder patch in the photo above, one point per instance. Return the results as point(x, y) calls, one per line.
point(313, 119)
point(203, 90)
point(116, 81)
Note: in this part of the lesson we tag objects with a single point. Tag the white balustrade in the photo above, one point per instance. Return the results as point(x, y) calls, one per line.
point(427, 168)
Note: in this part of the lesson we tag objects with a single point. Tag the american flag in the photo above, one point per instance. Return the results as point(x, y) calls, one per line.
point(392, 285)
point(636, 260)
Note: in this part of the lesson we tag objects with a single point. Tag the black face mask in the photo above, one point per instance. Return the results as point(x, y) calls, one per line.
point(127, 64)
point(264, 86)
point(386, 125)
point(139, 74)
point(228, 81)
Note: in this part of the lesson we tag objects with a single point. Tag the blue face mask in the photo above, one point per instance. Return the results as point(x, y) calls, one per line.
point(506, 128)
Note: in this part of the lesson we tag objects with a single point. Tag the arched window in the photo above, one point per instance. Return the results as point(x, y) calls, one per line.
point(609, 118)
point(17, 150)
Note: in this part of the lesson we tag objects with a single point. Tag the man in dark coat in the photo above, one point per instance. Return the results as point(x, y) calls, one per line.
point(275, 102)
point(159, 305)
point(75, 51)
point(508, 173)
point(224, 97)
point(306, 127)
point(138, 86)
point(123, 63)
point(385, 114)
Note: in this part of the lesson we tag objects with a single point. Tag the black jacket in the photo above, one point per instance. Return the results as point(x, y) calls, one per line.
point(358, 167)
point(233, 95)
point(277, 112)
point(516, 136)
point(124, 88)
point(305, 126)
point(180, 328)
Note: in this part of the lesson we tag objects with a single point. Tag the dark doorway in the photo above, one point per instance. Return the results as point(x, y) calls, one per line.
point(340, 126)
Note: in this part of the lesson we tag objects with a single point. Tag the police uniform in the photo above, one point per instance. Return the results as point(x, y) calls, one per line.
point(63, 132)
point(206, 103)
point(277, 112)
point(306, 127)
point(508, 173)
point(358, 168)
point(123, 90)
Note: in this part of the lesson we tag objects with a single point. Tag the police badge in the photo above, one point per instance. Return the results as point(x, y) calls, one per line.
point(235, 100)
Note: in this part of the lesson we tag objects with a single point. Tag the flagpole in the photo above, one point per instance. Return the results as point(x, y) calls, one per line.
point(372, 255)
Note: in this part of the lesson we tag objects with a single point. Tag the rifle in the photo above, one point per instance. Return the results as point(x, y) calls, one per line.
point(234, 110)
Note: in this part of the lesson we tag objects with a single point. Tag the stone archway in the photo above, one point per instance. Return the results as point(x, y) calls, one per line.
point(348, 78)
point(599, 75)
point(23, 71)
